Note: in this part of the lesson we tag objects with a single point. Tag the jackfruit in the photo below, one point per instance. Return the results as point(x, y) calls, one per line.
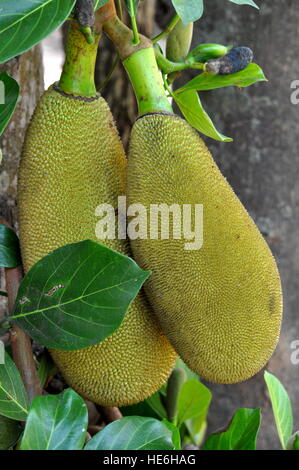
point(220, 305)
point(72, 161)
point(179, 41)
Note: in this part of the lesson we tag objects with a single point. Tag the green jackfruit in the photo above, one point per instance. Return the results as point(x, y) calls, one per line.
point(220, 305)
point(179, 41)
point(73, 161)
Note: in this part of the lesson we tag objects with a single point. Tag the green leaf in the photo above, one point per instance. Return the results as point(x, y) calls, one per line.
point(191, 107)
point(206, 81)
point(245, 2)
point(241, 434)
point(188, 11)
point(293, 442)
point(196, 429)
point(13, 397)
point(133, 433)
point(9, 248)
point(196, 426)
point(56, 422)
point(189, 372)
point(152, 407)
point(193, 401)
point(282, 408)
point(296, 443)
point(204, 52)
point(155, 402)
point(77, 295)
point(9, 93)
point(176, 437)
point(10, 431)
point(24, 23)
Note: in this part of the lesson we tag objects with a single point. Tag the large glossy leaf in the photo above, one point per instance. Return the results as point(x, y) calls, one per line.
point(282, 408)
point(9, 93)
point(193, 401)
point(56, 422)
point(13, 398)
point(77, 295)
point(241, 434)
point(23, 23)
point(10, 431)
point(205, 81)
point(192, 109)
point(190, 10)
point(133, 433)
point(9, 248)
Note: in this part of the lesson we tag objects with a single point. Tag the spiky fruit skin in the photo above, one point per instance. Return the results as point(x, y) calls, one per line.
point(221, 305)
point(73, 161)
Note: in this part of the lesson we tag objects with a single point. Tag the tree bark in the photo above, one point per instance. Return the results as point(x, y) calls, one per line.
point(262, 165)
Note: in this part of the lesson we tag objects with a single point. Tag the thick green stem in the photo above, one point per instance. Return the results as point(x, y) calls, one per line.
point(77, 77)
point(147, 82)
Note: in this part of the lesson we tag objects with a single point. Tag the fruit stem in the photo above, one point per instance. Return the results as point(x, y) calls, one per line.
point(77, 76)
point(147, 81)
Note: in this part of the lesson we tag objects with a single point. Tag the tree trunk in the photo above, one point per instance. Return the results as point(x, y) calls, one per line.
point(262, 166)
